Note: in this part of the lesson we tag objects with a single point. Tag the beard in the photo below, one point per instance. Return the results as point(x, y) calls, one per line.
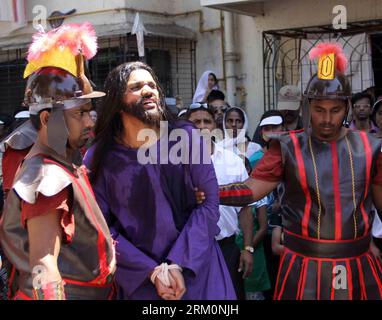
point(80, 141)
point(150, 117)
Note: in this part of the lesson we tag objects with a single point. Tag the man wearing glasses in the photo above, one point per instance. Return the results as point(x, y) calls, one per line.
point(361, 109)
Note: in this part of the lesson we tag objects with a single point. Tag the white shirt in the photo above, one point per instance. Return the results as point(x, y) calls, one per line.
point(261, 203)
point(229, 168)
point(239, 149)
point(376, 229)
point(252, 148)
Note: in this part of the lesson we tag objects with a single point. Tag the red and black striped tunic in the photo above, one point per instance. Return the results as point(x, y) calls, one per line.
point(327, 215)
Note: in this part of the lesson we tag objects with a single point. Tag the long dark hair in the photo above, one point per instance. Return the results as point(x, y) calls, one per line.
point(215, 78)
point(109, 123)
point(376, 107)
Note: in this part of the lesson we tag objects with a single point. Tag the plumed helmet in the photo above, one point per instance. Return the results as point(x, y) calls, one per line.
point(56, 76)
point(55, 68)
point(52, 86)
point(337, 88)
point(330, 81)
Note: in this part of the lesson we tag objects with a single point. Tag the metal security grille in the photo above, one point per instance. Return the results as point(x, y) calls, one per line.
point(285, 56)
point(173, 60)
point(12, 84)
point(112, 52)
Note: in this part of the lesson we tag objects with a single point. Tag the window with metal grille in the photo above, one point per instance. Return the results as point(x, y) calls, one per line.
point(173, 61)
point(160, 61)
point(12, 86)
point(115, 52)
point(286, 62)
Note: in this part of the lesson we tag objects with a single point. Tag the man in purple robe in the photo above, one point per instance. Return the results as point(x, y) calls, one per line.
point(165, 241)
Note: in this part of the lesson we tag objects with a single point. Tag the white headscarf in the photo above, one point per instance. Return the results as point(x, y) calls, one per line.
point(237, 144)
point(202, 87)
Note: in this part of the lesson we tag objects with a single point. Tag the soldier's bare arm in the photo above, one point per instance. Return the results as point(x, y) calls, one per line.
point(45, 233)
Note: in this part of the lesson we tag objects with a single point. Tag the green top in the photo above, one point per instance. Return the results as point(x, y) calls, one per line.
point(258, 280)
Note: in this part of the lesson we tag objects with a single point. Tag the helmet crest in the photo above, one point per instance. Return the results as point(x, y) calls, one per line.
point(323, 50)
point(60, 47)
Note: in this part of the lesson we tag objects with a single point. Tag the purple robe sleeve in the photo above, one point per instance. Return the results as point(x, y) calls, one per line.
point(192, 249)
point(133, 266)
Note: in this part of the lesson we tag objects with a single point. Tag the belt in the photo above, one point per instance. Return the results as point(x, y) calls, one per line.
point(332, 249)
point(75, 292)
point(227, 240)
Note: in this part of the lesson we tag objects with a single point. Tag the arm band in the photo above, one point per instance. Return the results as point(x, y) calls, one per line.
point(235, 194)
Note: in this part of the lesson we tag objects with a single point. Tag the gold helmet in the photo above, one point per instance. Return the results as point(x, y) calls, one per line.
point(56, 77)
point(56, 67)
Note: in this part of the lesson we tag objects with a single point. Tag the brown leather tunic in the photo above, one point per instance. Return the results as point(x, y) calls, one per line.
point(87, 264)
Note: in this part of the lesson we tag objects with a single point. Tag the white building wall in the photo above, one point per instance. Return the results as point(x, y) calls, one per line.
point(209, 44)
point(95, 5)
point(98, 12)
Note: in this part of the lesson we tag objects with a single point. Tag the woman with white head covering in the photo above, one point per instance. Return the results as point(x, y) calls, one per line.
point(235, 126)
point(207, 82)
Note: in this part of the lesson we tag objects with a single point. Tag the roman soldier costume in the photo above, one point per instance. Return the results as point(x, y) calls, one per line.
point(86, 261)
point(327, 205)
